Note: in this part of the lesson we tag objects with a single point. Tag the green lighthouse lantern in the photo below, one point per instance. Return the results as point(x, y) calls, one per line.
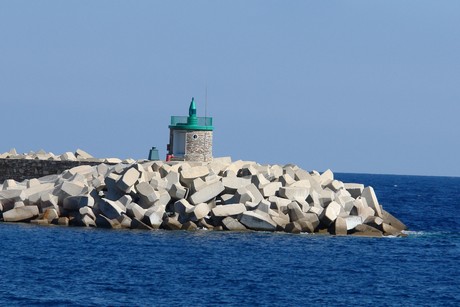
point(190, 137)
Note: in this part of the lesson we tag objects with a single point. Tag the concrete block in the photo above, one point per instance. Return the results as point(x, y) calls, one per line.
point(73, 188)
point(301, 184)
point(228, 210)
point(194, 172)
point(207, 193)
point(82, 155)
point(326, 177)
point(390, 230)
point(105, 222)
point(147, 194)
point(369, 194)
point(392, 221)
point(313, 219)
point(33, 183)
point(8, 184)
point(257, 196)
point(275, 171)
point(154, 216)
point(295, 212)
point(200, 211)
point(270, 189)
point(280, 222)
point(51, 214)
point(177, 191)
point(318, 210)
point(331, 213)
point(306, 226)
point(293, 227)
point(189, 226)
point(87, 211)
point(294, 193)
point(135, 211)
point(365, 212)
point(232, 184)
point(74, 203)
point(326, 197)
point(366, 230)
point(230, 223)
point(111, 209)
point(48, 200)
point(335, 185)
point(355, 189)
point(286, 180)
point(256, 221)
point(21, 214)
point(183, 208)
point(197, 184)
point(63, 221)
point(171, 223)
point(259, 180)
point(68, 156)
point(340, 227)
point(128, 179)
point(138, 224)
point(353, 221)
point(171, 179)
point(264, 206)
point(279, 204)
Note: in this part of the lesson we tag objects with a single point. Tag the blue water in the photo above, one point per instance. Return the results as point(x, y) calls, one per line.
point(55, 266)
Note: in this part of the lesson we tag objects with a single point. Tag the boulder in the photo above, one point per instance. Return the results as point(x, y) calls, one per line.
point(294, 193)
point(367, 231)
point(82, 155)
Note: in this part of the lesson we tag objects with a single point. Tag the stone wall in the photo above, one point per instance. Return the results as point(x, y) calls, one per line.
point(198, 146)
point(20, 169)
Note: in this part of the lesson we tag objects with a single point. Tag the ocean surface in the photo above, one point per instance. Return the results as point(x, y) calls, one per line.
point(58, 266)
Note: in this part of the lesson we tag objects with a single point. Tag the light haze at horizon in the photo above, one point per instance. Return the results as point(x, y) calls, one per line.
point(354, 86)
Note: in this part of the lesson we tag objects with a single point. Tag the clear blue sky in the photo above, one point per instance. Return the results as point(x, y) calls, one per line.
point(354, 86)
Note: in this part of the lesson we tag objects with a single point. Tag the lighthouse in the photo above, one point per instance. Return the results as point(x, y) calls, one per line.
point(190, 137)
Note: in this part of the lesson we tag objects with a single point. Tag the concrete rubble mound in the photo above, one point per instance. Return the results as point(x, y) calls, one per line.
point(78, 155)
point(218, 195)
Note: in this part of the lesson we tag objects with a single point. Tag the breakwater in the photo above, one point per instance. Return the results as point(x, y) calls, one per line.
point(38, 164)
point(218, 195)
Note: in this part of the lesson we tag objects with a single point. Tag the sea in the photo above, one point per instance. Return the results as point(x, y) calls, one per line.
point(60, 266)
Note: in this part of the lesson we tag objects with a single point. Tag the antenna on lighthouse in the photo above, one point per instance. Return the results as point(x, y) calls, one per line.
point(206, 102)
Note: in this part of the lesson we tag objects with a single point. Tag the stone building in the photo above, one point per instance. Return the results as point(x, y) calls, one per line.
point(190, 138)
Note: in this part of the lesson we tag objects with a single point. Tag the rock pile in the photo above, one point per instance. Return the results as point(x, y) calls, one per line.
point(219, 195)
point(78, 155)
